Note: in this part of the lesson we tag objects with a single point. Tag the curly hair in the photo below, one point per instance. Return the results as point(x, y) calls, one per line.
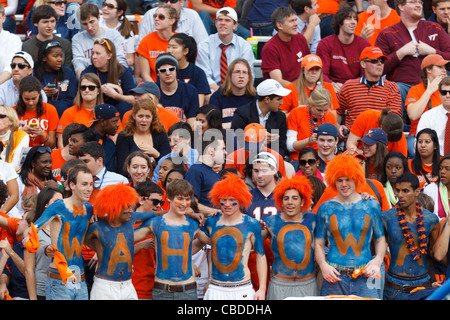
point(145, 104)
point(344, 166)
point(112, 199)
point(230, 186)
point(299, 183)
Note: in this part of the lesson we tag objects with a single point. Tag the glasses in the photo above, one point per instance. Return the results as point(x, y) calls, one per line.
point(3, 116)
point(310, 162)
point(52, 44)
point(21, 65)
point(415, 2)
point(109, 5)
point(171, 1)
point(160, 16)
point(91, 88)
point(353, 151)
point(43, 149)
point(155, 201)
point(164, 70)
point(57, 3)
point(375, 61)
point(103, 42)
point(444, 92)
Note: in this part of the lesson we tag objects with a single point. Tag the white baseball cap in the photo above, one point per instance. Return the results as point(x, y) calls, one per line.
point(229, 12)
point(25, 56)
point(271, 86)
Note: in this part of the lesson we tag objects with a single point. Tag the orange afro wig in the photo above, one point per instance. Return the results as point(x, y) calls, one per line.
point(230, 186)
point(344, 166)
point(299, 183)
point(111, 200)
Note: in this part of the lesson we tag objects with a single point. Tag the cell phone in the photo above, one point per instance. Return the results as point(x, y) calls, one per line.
point(52, 85)
point(34, 124)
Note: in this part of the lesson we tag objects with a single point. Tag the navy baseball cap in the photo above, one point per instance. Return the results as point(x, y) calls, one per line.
point(375, 135)
point(105, 111)
point(147, 87)
point(327, 129)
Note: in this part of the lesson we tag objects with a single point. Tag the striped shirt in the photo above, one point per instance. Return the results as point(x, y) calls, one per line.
point(357, 96)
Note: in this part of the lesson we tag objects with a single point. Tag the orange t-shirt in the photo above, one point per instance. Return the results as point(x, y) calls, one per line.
point(329, 194)
point(291, 102)
point(166, 116)
point(57, 162)
point(48, 121)
point(216, 4)
point(413, 96)
point(299, 120)
point(237, 160)
point(78, 115)
point(422, 180)
point(150, 47)
point(368, 17)
point(328, 6)
point(369, 120)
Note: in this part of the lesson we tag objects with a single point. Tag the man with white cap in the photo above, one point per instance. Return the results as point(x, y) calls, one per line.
point(266, 111)
point(22, 65)
point(220, 49)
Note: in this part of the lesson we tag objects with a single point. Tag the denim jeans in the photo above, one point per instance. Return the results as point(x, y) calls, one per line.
point(57, 290)
point(396, 294)
point(160, 294)
point(361, 287)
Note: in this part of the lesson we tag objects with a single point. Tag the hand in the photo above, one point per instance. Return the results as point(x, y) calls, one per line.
point(93, 262)
point(425, 49)
point(313, 138)
point(52, 184)
point(271, 137)
point(6, 246)
point(50, 91)
point(111, 90)
point(314, 19)
point(337, 86)
point(372, 270)
point(260, 295)
point(330, 273)
point(343, 131)
point(367, 31)
point(408, 49)
point(197, 271)
point(365, 196)
point(49, 251)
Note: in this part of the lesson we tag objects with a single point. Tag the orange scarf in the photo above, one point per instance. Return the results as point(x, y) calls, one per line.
point(35, 184)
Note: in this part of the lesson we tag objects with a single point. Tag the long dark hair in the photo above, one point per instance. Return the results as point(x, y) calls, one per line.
point(29, 84)
point(417, 165)
point(45, 195)
point(391, 155)
point(33, 155)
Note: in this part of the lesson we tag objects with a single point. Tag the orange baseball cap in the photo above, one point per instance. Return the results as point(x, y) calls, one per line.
point(254, 133)
point(433, 60)
point(310, 61)
point(372, 53)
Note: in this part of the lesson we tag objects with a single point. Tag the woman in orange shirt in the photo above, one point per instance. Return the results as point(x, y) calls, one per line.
point(425, 164)
point(37, 118)
point(310, 79)
point(166, 22)
point(89, 95)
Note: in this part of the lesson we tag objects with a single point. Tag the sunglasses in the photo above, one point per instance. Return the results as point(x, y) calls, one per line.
point(52, 44)
point(160, 16)
point(21, 65)
point(3, 116)
point(444, 92)
point(109, 5)
point(155, 201)
point(103, 42)
point(91, 88)
point(171, 1)
point(310, 162)
point(43, 149)
point(164, 70)
point(58, 3)
point(375, 61)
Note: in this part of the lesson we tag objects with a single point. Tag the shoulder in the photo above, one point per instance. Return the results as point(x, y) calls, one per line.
point(430, 216)
point(389, 214)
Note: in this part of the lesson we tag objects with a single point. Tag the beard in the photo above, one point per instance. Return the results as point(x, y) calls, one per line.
point(417, 16)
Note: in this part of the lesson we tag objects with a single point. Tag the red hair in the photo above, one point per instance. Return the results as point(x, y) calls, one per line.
point(299, 183)
point(344, 166)
point(111, 200)
point(231, 186)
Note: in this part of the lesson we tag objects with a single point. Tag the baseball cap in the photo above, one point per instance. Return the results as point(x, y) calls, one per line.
point(271, 86)
point(372, 53)
point(327, 129)
point(254, 133)
point(433, 60)
point(229, 12)
point(310, 61)
point(375, 135)
point(147, 87)
point(165, 58)
point(354, 152)
point(105, 111)
point(266, 157)
point(25, 56)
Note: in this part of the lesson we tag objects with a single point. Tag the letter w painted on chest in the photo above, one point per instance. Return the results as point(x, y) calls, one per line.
point(70, 246)
point(350, 240)
point(166, 251)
